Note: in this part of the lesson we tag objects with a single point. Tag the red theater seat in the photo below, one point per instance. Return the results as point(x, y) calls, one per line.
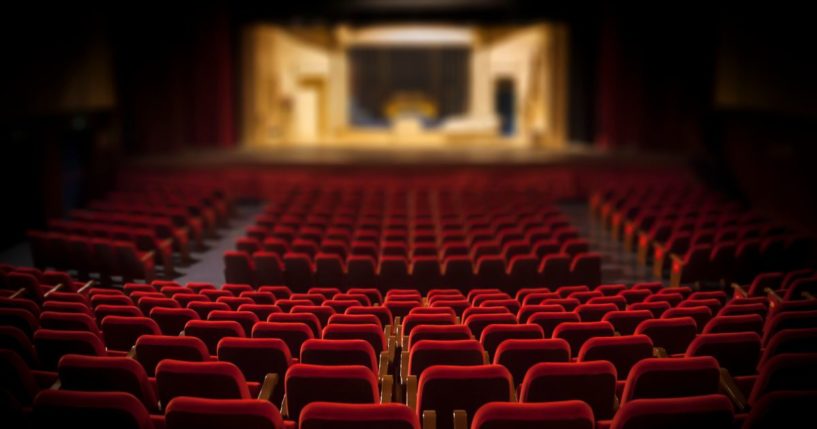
point(100, 374)
point(555, 415)
point(672, 378)
point(171, 321)
point(212, 331)
point(202, 413)
point(444, 389)
point(520, 355)
point(152, 349)
point(90, 410)
point(121, 332)
point(707, 411)
point(673, 335)
point(326, 415)
point(591, 382)
point(349, 384)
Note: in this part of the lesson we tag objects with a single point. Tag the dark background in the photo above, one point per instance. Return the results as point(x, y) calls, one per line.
point(728, 87)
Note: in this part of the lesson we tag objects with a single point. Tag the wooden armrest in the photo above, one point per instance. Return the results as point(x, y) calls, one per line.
point(392, 347)
point(429, 419)
point(404, 342)
point(404, 367)
point(147, 256)
point(52, 290)
point(774, 298)
point(659, 352)
point(18, 294)
point(131, 353)
point(808, 296)
point(388, 331)
point(676, 269)
point(86, 286)
point(268, 387)
point(643, 246)
point(386, 386)
point(740, 292)
point(284, 407)
point(383, 368)
point(616, 403)
point(57, 385)
point(485, 358)
point(659, 254)
point(460, 419)
point(730, 389)
point(166, 243)
point(411, 393)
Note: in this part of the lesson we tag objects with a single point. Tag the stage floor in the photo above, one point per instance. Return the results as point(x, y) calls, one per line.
point(573, 154)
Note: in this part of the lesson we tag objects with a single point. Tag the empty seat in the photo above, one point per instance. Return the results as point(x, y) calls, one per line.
point(171, 321)
point(52, 345)
point(550, 321)
point(339, 352)
point(203, 309)
point(672, 378)
point(121, 332)
point(673, 335)
point(99, 374)
point(294, 334)
point(244, 318)
point(91, 410)
point(367, 332)
point(739, 323)
point(21, 319)
point(427, 353)
point(325, 415)
point(520, 355)
point(68, 322)
point(493, 335)
point(700, 314)
point(256, 358)
point(577, 333)
point(152, 349)
point(439, 332)
point(413, 320)
point(238, 267)
point(591, 382)
point(623, 352)
point(351, 384)
point(478, 322)
point(309, 319)
point(556, 415)
point(706, 411)
point(203, 413)
point(216, 380)
point(791, 341)
point(444, 389)
point(212, 331)
point(782, 409)
point(625, 322)
point(787, 371)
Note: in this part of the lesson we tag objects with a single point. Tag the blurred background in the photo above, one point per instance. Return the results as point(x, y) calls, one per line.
point(726, 91)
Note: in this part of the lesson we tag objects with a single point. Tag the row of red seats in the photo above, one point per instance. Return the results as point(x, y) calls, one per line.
point(299, 272)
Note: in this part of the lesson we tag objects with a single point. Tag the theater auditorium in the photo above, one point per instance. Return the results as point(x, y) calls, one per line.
point(408, 214)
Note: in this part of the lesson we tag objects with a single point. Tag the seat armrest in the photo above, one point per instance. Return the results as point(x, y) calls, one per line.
point(460, 419)
point(147, 256)
point(730, 389)
point(52, 290)
point(268, 387)
point(485, 358)
point(411, 393)
point(18, 294)
point(739, 291)
point(676, 269)
point(386, 386)
point(659, 352)
point(659, 253)
point(808, 295)
point(86, 286)
point(429, 419)
point(284, 407)
point(383, 367)
point(132, 352)
point(404, 367)
point(774, 298)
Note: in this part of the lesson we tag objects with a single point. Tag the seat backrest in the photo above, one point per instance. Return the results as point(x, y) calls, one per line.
point(171, 321)
point(204, 413)
point(707, 411)
point(216, 380)
point(212, 331)
point(16, 378)
point(68, 321)
point(14, 339)
point(520, 355)
point(791, 341)
point(782, 409)
point(577, 333)
point(103, 373)
point(339, 352)
point(737, 323)
point(307, 318)
point(622, 351)
point(152, 349)
point(672, 378)
point(787, 371)
point(439, 332)
point(555, 415)
point(367, 332)
point(246, 319)
point(673, 335)
point(413, 320)
point(592, 382)
point(91, 410)
point(52, 345)
point(353, 384)
point(427, 353)
point(256, 357)
point(121, 332)
point(549, 321)
point(445, 388)
point(494, 335)
point(294, 334)
point(318, 415)
point(738, 352)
